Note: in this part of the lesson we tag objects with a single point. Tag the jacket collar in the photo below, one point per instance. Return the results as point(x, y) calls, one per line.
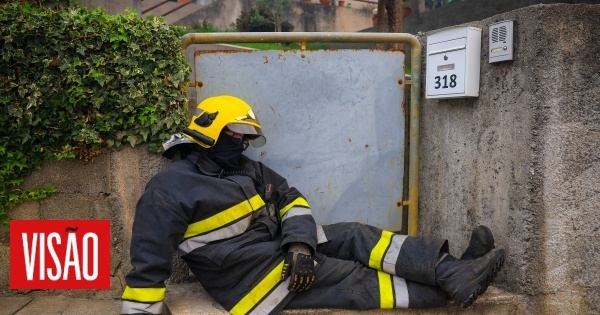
point(205, 165)
point(208, 167)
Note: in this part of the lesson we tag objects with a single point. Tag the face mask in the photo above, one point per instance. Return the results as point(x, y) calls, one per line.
point(226, 153)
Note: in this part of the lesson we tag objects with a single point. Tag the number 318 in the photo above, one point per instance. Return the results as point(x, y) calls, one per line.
point(438, 81)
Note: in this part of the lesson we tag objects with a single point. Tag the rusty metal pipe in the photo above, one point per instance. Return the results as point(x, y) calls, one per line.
point(316, 37)
point(335, 37)
point(415, 137)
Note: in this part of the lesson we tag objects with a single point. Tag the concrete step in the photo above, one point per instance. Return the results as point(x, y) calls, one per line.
point(191, 299)
point(165, 9)
point(157, 7)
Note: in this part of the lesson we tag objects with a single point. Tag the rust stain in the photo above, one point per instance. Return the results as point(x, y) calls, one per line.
point(262, 153)
point(199, 84)
point(266, 60)
point(400, 81)
point(403, 106)
point(384, 51)
point(366, 145)
point(349, 140)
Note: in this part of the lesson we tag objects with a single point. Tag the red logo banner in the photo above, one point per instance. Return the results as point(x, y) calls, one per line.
point(60, 254)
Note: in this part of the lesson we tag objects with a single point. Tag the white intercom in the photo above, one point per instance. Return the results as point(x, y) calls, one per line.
point(453, 62)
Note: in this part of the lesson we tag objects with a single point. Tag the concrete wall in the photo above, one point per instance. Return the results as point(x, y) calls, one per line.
point(524, 158)
point(468, 10)
point(315, 17)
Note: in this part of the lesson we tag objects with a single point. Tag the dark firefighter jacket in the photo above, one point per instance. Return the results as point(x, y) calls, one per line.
point(210, 217)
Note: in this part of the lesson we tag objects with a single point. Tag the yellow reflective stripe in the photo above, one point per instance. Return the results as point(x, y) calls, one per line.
point(300, 201)
point(386, 290)
point(145, 295)
point(378, 252)
point(225, 217)
point(258, 293)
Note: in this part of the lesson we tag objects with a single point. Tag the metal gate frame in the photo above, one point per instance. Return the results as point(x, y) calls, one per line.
point(335, 37)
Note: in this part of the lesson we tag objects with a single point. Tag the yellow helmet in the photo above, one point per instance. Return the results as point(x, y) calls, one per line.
point(217, 112)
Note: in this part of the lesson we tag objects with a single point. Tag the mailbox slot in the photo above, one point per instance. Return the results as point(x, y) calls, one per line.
point(456, 44)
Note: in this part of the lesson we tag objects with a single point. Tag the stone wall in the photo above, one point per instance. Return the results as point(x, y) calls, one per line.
point(106, 188)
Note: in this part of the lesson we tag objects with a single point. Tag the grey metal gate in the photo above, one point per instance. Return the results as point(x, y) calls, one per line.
point(334, 124)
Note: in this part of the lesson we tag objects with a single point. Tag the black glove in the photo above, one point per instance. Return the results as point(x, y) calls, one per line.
point(299, 264)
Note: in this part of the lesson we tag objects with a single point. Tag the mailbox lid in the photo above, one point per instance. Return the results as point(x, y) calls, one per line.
point(450, 33)
point(450, 45)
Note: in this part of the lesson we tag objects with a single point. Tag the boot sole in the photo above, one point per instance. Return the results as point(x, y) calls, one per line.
point(485, 281)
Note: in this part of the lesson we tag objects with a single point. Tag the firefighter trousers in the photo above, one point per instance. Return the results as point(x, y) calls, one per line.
point(363, 267)
point(357, 267)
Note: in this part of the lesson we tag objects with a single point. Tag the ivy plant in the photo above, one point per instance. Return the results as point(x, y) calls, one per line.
point(75, 81)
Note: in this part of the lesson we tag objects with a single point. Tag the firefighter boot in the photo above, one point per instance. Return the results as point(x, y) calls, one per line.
point(464, 280)
point(482, 241)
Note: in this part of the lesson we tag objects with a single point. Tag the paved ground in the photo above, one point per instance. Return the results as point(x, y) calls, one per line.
point(24, 305)
point(190, 299)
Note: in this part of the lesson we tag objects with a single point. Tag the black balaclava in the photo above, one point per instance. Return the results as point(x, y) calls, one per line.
point(226, 153)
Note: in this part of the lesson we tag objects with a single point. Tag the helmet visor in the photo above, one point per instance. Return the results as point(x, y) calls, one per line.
point(253, 134)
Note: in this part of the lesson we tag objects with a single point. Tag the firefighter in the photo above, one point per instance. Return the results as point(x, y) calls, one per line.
point(253, 244)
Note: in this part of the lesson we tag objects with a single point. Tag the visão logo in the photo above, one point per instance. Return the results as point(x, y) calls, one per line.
point(60, 254)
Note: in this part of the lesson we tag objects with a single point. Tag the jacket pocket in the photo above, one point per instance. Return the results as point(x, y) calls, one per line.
point(221, 250)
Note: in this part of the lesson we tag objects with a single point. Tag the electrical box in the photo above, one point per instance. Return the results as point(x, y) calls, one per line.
point(453, 62)
point(501, 41)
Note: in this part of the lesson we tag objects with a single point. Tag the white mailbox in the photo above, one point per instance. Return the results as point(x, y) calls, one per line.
point(453, 62)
